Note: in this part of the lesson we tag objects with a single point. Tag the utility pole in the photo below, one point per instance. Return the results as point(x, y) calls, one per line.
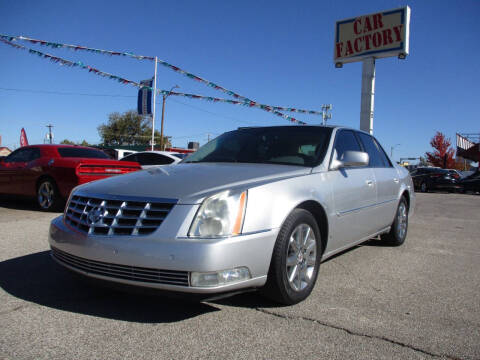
point(325, 115)
point(163, 114)
point(50, 136)
point(153, 112)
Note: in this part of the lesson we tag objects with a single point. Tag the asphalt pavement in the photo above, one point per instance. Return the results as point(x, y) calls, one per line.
point(417, 301)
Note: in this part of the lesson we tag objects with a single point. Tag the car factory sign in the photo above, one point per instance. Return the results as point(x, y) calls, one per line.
point(377, 35)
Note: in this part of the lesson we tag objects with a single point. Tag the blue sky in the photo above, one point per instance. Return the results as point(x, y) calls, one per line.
point(275, 52)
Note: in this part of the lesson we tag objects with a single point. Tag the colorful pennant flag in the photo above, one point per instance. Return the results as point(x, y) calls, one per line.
point(241, 99)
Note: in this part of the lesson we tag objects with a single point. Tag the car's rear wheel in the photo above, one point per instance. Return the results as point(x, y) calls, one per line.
point(295, 259)
point(398, 231)
point(423, 187)
point(48, 197)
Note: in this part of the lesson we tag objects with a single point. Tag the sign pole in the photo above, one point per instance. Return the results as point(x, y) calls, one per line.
point(153, 108)
point(368, 95)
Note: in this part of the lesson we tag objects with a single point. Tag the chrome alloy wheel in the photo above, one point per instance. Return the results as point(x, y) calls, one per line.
point(45, 195)
point(401, 220)
point(301, 257)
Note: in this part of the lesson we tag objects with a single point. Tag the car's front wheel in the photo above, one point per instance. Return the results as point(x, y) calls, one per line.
point(295, 259)
point(48, 197)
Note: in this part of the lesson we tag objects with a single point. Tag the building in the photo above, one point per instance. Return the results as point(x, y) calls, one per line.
point(4, 151)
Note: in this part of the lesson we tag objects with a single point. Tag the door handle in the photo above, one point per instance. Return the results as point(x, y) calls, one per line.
point(369, 182)
point(395, 180)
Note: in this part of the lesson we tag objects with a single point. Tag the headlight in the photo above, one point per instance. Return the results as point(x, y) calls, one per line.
point(220, 215)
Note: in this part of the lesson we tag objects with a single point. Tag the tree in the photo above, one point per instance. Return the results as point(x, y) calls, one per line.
point(442, 156)
point(128, 128)
point(422, 161)
point(69, 142)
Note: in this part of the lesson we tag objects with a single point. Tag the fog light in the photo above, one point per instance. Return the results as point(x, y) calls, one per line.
point(218, 278)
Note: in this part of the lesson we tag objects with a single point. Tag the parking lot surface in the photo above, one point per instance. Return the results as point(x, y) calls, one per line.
point(417, 301)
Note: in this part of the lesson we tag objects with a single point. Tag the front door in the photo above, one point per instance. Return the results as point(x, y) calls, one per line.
point(354, 195)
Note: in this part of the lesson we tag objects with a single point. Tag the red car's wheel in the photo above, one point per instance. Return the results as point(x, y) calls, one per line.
point(48, 198)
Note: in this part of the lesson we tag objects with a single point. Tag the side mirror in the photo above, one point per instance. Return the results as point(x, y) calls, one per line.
point(350, 159)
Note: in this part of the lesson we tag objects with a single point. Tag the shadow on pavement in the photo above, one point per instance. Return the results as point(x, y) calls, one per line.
point(18, 203)
point(38, 279)
point(255, 300)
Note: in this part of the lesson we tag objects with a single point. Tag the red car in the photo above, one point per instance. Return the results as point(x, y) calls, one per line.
point(50, 172)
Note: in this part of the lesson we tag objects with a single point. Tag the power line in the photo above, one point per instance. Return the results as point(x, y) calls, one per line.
point(212, 113)
point(63, 93)
point(125, 96)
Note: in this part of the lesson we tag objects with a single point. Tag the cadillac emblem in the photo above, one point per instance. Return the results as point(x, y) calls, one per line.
point(95, 215)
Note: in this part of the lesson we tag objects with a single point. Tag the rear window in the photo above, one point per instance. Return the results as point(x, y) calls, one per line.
point(82, 153)
point(180, 155)
point(440, 171)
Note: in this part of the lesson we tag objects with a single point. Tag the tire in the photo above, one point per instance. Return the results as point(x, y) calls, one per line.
point(295, 259)
point(399, 229)
point(48, 196)
point(423, 187)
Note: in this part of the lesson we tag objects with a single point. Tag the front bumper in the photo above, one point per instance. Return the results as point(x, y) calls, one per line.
point(121, 259)
point(447, 186)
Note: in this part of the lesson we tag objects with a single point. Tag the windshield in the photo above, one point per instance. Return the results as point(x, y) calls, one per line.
point(288, 145)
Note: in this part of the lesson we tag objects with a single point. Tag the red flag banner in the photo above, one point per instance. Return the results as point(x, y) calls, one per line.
point(23, 138)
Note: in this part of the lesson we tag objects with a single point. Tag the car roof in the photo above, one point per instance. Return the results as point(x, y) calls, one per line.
point(333, 127)
point(156, 152)
point(56, 146)
point(293, 125)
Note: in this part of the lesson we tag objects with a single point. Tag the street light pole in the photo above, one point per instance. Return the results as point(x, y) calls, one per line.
point(163, 114)
point(391, 150)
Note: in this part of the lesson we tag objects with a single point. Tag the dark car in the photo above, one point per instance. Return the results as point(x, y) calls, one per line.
point(148, 159)
point(50, 172)
point(430, 178)
point(471, 183)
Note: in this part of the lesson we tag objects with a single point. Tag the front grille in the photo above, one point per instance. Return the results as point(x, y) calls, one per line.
point(134, 273)
point(115, 216)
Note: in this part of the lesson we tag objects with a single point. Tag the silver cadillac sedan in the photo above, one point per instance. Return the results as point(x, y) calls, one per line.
point(255, 208)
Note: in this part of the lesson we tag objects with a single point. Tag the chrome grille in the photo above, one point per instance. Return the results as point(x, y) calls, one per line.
point(116, 216)
point(149, 275)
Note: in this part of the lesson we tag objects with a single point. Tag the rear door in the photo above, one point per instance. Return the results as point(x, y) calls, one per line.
point(387, 181)
point(354, 194)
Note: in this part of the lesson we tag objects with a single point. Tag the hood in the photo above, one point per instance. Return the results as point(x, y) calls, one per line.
point(191, 183)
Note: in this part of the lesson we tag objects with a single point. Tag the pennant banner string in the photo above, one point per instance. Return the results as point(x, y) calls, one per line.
point(228, 101)
point(61, 61)
point(161, 62)
point(75, 47)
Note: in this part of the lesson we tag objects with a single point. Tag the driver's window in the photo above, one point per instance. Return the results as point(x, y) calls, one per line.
point(345, 141)
point(20, 155)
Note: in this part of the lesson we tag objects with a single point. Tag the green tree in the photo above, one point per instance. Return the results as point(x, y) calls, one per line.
point(69, 142)
point(128, 128)
point(422, 161)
